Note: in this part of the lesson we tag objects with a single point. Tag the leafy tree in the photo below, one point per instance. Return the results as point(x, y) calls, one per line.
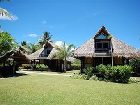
point(29, 47)
point(34, 47)
point(63, 52)
point(7, 42)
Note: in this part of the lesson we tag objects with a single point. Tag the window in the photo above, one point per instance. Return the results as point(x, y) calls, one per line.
point(48, 52)
point(101, 36)
point(105, 45)
point(102, 45)
point(98, 45)
point(45, 53)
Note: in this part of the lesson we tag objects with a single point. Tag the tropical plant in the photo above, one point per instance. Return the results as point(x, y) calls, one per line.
point(34, 47)
point(46, 37)
point(63, 52)
point(7, 42)
point(76, 64)
point(23, 43)
point(135, 63)
point(29, 47)
point(115, 73)
point(4, 12)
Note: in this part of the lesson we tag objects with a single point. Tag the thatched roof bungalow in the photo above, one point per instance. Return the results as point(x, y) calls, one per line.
point(16, 55)
point(104, 48)
point(47, 56)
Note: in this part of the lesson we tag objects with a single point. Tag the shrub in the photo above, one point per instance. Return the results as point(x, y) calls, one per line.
point(76, 66)
point(135, 63)
point(120, 73)
point(101, 69)
point(89, 72)
point(114, 73)
point(41, 67)
point(26, 66)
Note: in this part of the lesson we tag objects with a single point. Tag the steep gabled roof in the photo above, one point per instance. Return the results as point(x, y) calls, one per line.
point(37, 54)
point(102, 30)
point(119, 48)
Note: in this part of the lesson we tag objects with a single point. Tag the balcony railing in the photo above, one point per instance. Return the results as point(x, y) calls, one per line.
point(103, 50)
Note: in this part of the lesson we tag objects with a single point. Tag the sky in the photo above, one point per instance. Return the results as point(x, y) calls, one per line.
point(73, 21)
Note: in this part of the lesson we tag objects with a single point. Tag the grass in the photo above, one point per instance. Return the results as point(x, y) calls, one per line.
point(40, 89)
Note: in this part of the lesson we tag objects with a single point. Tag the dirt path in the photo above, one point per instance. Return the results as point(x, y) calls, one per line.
point(45, 73)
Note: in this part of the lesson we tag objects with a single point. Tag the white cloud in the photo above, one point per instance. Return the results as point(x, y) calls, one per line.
point(33, 35)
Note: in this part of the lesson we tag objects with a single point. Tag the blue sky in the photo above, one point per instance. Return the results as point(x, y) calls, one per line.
point(73, 21)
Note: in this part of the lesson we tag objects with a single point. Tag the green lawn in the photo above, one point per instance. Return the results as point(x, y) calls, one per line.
point(40, 89)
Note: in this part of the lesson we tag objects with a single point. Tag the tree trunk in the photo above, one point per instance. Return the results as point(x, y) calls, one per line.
point(65, 65)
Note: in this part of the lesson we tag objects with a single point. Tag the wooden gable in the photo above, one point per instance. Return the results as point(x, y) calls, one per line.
point(102, 34)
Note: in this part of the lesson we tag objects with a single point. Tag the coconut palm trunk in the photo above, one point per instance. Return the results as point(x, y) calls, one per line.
point(63, 52)
point(65, 65)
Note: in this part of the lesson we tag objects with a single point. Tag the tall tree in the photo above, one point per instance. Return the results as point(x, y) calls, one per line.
point(29, 47)
point(34, 47)
point(4, 12)
point(46, 37)
point(63, 52)
point(7, 42)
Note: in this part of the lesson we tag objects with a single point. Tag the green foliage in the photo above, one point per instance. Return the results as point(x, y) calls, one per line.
point(101, 69)
point(29, 48)
point(89, 72)
point(76, 65)
point(46, 37)
point(34, 47)
point(41, 67)
point(115, 73)
point(135, 63)
point(26, 66)
point(63, 52)
point(7, 42)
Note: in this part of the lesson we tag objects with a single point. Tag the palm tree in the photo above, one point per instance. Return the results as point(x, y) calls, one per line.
point(46, 37)
point(63, 52)
point(4, 12)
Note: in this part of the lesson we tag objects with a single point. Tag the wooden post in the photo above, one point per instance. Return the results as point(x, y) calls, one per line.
point(112, 60)
point(102, 61)
point(82, 64)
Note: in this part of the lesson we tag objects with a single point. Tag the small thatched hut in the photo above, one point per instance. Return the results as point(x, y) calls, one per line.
point(46, 55)
point(16, 55)
point(103, 48)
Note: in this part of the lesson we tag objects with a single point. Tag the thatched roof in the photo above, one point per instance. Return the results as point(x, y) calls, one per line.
point(119, 48)
point(17, 55)
point(6, 56)
point(52, 55)
point(38, 53)
point(20, 57)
